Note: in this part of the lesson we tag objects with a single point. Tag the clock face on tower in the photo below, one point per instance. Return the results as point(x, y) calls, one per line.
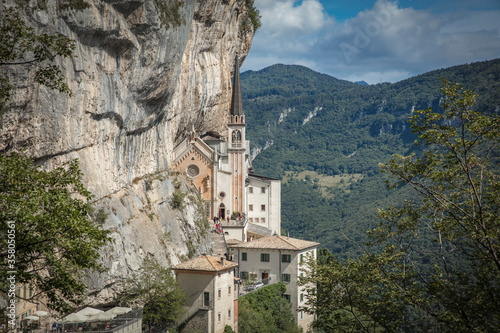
point(192, 170)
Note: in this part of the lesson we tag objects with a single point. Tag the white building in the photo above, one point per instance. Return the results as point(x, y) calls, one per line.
point(277, 258)
point(219, 166)
point(212, 294)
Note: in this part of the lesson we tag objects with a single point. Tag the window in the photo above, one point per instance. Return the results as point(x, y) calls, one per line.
point(229, 290)
point(25, 291)
point(206, 298)
point(301, 258)
point(250, 189)
point(207, 208)
point(286, 258)
point(257, 220)
point(244, 275)
point(219, 316)
point(250, 207)
point(264, 257)
point(244, 256)
point(302, 297)
point(229, 313)
point(263, 208)
point(253, 276)
point(250, 219)
point(262, 190)
point(263, 220)
point(285, 277)
point(287, 297)
point(301, 314)
point(192, 170)
point(219, 293)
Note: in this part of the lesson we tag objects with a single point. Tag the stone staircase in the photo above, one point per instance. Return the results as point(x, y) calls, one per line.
point(218, 244)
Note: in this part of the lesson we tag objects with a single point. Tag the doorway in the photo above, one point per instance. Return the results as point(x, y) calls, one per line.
point(222, 212)
point(265, 278)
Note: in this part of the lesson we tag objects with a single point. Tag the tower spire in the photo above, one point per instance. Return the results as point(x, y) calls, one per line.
point(236, 100)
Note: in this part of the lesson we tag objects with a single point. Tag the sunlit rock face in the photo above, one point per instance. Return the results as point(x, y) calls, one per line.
point(144, 73)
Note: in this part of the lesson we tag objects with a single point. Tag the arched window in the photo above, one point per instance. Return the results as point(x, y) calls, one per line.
point(236, 136)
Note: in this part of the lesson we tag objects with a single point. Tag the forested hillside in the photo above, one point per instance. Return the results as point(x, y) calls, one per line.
point(338, 131)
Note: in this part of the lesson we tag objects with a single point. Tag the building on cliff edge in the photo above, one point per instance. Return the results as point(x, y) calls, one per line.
point(220, 168)
point(212, 294)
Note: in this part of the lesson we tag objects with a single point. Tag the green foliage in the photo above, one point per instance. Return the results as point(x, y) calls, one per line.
point(99, 216)
point(252, 18)
point(20, 45)
point(55, 241)
point(178, 199)
point(201, 220)
point(156, 288)
point(455, 203)
point(266, 311)
point(228, 329)
point(170, 14)
point(356, 128)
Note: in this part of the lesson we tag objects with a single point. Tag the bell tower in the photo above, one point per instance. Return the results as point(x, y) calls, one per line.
point(237, 145)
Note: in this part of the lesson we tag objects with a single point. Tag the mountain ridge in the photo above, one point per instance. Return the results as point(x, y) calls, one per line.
point(350, 128)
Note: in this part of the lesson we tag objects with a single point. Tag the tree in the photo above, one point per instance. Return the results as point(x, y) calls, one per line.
point(456, 202)
point(20, 45)
point(266, 310)
point(48, 238)
point(228, 329)
point(155, 287)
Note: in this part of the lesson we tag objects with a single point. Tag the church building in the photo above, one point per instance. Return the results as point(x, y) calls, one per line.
point(220, 167)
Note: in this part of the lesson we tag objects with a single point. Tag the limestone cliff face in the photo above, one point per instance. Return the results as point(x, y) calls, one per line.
point(144, 73)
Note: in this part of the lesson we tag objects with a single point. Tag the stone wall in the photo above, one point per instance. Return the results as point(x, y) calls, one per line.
point(198, 323)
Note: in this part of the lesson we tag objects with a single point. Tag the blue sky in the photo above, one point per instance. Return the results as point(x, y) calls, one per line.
point(375, 41)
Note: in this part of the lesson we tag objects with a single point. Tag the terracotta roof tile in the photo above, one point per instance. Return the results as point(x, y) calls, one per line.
point(232, 241)
point(205, 263)
point(278, 243)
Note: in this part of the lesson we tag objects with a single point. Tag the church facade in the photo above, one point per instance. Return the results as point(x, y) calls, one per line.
point(220, 168)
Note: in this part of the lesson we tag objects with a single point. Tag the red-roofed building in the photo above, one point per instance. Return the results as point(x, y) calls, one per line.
point(212, 294)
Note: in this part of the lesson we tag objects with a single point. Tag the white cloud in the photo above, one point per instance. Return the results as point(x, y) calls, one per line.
point(286, 17)
point(385, 42)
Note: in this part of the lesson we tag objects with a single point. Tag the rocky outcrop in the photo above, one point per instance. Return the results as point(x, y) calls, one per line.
point(144, 220)
point(144, 72)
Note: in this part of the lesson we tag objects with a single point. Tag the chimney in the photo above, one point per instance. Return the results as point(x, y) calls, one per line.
point(223, 261)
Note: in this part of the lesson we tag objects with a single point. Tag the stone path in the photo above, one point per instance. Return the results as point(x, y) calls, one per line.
point(218, 244)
